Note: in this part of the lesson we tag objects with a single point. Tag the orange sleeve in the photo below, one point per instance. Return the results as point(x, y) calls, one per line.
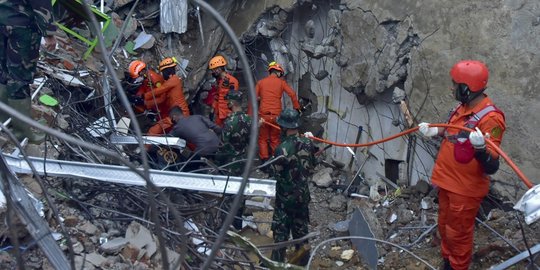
point(160, 127)
point(164, 88)
point(177, 98)
point(495, 126)
point(292, 95)
point(257, 95)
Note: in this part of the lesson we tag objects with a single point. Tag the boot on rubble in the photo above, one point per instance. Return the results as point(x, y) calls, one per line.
point(20, 129)
point(3, 98)
point(446, 265)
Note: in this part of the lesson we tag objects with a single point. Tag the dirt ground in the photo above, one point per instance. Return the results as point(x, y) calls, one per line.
point(489, 249)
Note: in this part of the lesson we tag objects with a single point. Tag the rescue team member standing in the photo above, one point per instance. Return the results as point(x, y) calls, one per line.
point(235, 134)
point(144, 81)
point(224, 83)
point(22, 24)
point(167, 96)
point(291, 212)
point(235, 140)
point(269, 92)
point(464, 163)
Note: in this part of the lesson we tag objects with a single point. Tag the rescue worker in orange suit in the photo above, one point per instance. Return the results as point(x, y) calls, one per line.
point(224, 83)
point(142, 81)
point(464, 162)
point(167, 96)
point(269, 92)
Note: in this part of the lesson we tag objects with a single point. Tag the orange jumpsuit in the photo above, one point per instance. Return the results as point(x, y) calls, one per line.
point(145, 87)
point(167, 96)
point(221, 111)
point(462, 186)
point(269, 92)
point(163, 126)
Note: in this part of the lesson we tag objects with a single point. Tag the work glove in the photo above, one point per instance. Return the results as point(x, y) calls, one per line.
point(308, 134)
point(477, 139)
point(151, 115)
point(226, 83)
point(426, 130)
point(136, 100)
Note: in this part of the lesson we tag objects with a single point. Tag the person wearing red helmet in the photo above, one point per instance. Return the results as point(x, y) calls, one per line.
point(224, 83)
point(142, 80)
point(269, 92)
point(165, 97)
point(464, 162)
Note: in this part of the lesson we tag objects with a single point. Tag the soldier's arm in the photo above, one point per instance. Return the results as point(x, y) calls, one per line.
point(44, 17)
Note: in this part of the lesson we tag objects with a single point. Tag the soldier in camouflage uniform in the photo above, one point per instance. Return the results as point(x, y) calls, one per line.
point(291, 212)
point(22, 23)
point(235, 139)
point(235, 133)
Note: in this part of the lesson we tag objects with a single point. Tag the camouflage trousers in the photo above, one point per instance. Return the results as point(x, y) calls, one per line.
point(19, 53)
point(286, 222)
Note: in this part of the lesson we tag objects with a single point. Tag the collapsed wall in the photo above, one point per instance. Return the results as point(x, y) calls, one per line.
point(346, 58)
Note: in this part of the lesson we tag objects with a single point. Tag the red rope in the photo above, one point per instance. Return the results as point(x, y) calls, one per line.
point(403, 133)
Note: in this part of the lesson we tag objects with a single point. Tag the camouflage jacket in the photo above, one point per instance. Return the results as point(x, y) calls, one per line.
point(235, 134)
point(292, 171)
point(34, 13)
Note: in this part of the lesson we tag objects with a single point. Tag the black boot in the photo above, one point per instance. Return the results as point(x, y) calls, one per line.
point(446, 265)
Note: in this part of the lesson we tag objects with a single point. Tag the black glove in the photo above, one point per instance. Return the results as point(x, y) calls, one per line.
point(136, 100)
point(226, 83)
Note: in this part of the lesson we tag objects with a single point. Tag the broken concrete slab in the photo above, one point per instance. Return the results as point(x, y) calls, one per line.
point(323, 178)
point(142, 239)
point(114, 245)
point(95, 259)
point(88, 228)
point(144, 41)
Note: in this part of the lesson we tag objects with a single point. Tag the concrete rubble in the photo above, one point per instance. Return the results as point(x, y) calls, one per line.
point(353, 63)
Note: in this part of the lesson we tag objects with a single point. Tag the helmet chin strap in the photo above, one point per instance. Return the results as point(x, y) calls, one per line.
point(464, 95)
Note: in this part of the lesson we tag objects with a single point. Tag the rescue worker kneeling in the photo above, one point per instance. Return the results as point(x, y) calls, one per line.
point(170, 94)
point(198, 131)
point(141, 81)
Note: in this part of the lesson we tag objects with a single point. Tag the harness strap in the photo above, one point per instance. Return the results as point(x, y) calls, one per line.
point(472, 122)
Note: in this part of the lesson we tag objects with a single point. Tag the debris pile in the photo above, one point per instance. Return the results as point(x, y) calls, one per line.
point(115, 226)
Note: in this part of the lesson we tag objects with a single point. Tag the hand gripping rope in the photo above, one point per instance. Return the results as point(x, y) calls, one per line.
point(520, 174)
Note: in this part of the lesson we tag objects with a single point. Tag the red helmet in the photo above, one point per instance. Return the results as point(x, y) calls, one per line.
point(275, 66)
point(472, 73)
point(135, 68)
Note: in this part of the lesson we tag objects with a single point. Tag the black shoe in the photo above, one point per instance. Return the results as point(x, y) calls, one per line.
point(446, 265)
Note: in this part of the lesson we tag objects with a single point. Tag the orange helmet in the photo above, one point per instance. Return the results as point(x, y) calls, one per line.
point(472, 73)
point(166, 63)
point(275, 66)
point(217, 61)
point(135, 68)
